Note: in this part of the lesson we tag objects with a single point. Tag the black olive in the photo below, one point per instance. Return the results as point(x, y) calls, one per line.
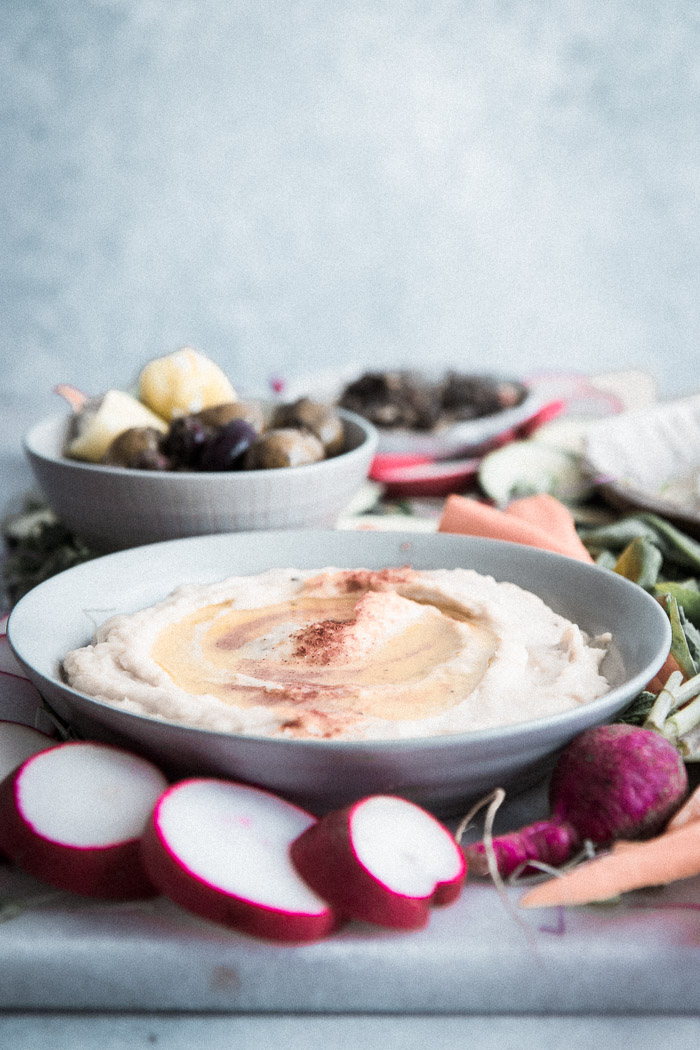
point(225, 448)
point(183, 442)
point(394, 399)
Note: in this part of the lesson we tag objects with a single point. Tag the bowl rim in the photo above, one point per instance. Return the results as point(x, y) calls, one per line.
point(514, 731)
point(366, 447)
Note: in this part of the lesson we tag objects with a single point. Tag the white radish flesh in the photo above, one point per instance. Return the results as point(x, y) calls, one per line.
point(73, 816)
point(403, 846)
point(383, 859)
point(221, 850)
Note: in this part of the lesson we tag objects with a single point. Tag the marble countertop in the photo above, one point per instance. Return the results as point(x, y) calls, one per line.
point(481, 955)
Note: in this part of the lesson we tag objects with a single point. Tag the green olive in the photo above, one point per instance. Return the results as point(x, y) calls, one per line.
point(219, 415)
point(138, 448)
point(320, 419)
point(284, 447)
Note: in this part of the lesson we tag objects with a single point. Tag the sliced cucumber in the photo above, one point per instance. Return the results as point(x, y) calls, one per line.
point(523, 468)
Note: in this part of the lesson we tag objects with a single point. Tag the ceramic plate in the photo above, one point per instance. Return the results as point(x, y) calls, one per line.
point(649, 460)
point(456, 439)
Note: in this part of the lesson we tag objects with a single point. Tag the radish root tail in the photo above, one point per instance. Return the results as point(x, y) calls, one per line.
point(493, 801)
point(75, 398)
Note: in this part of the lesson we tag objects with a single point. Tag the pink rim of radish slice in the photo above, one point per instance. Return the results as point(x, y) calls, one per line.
point(221, 850)
point(73, 816)
point(382, 859)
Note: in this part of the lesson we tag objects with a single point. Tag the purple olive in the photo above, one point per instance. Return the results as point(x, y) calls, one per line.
point(226, 447)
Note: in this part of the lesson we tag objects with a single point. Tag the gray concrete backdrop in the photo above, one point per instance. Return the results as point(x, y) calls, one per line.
point(295, 184)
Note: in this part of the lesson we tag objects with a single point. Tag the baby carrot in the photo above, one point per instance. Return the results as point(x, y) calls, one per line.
point(629, 866)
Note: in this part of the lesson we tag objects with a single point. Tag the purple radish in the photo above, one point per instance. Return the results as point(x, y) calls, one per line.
point(382, 859)
point(221, 850)
point(73, 816)
point(611, 782)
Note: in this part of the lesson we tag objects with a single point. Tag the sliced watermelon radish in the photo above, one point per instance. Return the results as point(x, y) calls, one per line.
point(382, 859)
point(221, 850)
point(422, 476)
point(73, 816)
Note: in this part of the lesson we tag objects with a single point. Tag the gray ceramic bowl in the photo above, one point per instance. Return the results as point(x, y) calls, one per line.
point(442, 773)
point(112, 508)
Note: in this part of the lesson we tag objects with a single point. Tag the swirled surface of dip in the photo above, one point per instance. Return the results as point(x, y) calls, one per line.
point(343, 654)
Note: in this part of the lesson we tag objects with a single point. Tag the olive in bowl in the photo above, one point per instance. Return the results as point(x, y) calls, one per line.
point(315, 417)
point(237, 435)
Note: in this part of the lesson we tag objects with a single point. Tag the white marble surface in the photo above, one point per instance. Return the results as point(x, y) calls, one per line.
point(245, 1032)
point(481, 956)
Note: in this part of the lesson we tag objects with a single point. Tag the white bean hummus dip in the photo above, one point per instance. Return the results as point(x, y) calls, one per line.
point(343, 654)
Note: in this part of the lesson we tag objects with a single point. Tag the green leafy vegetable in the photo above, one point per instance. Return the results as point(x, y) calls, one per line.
point(676, 548)
point(38, 546)
point(691, 635)
point(641, 561)
point(635, 714)
point(657, 556)
point(618, 534)
point(680, 646)
point(686, 594)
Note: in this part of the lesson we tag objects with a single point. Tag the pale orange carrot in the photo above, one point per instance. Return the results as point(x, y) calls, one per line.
point(659, 680)
point(548, 513)
point(629, 866)
point(463, 514)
